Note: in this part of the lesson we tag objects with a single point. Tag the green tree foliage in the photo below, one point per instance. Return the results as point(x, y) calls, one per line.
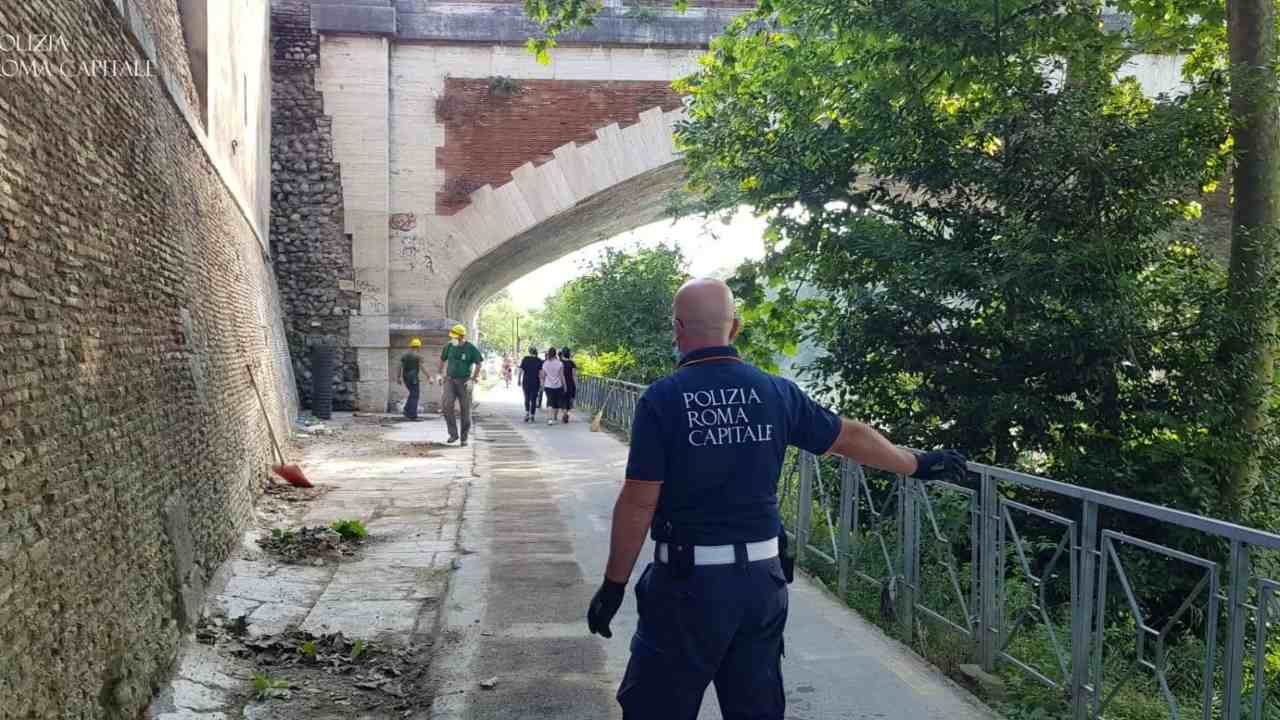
point(555, 17)
point(1241, 44)
point(498, 326)
point(619, 312)
point(990, 227)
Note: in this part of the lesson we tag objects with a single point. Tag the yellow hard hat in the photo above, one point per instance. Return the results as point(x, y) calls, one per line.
point(415, 343)
point(458, 331)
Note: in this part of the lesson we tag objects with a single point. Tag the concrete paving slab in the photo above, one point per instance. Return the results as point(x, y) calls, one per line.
point(268, 589)
point(275, 618)
point(229, 606)
point(368, 619)
point(411, 547)
point(408, 589)
point(202, 665)
point(301, 574)
point(191, 696)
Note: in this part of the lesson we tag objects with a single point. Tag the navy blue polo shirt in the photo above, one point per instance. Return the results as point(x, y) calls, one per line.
point(715, 433)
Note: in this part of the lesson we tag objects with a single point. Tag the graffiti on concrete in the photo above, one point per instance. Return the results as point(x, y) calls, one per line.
point(371, 300)
point(408, 243)
point(412, 253)
point(403, 221)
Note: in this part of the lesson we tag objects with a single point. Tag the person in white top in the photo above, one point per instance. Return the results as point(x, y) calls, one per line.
point(553, 382)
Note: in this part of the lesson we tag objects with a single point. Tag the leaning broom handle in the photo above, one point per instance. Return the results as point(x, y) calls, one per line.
point(265, 416)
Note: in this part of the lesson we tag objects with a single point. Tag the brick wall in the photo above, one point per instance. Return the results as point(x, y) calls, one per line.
point(165, 25)
point(312, 254)
point(132, 294)
point(492, 129)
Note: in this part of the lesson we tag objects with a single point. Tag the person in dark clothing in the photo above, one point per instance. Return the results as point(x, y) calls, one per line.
point(570, 381)
point(410, 366)
point(530, 371)
point(708, 443)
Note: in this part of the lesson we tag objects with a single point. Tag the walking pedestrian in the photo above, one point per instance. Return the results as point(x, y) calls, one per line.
point(506, 370)
point(543, 398)
point(707, 448)
point(570, 381)
point(410, 367)
point(553, 382)
point(460, 364)
point(531, 383)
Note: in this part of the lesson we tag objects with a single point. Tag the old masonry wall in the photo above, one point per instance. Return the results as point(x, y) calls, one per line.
point(136, 293)
point(312, 252)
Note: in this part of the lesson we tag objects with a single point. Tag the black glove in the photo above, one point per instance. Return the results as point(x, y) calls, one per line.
point(940, 464)
point(604, 606)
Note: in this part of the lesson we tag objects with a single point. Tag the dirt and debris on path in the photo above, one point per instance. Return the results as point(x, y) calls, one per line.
point(314, 545)
point(309, 620)
point(300, 674)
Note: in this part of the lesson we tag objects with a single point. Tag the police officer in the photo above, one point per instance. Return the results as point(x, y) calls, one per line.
point(707, 447)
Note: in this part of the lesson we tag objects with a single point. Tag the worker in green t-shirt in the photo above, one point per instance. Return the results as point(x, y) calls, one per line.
point(410, 365)
point(460, 365)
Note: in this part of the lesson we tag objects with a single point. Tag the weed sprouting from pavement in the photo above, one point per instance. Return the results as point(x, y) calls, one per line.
point(263, 684)
point(350, 529)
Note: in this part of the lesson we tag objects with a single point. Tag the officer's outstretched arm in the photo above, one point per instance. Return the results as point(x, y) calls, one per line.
point(632, 516)
point(860, 442)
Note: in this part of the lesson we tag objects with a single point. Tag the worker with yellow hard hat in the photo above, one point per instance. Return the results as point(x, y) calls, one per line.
point(410, 366)
point(460, 364)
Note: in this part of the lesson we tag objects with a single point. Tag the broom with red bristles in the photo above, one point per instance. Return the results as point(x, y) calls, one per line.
point(292, 474)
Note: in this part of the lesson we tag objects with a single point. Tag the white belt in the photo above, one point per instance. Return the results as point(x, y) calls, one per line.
point(724, 555)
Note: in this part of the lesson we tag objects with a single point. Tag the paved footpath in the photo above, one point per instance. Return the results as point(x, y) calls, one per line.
point(534, 542)
point(410, 495)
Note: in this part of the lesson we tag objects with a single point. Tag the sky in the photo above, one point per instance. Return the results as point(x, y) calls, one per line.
point(710, 246)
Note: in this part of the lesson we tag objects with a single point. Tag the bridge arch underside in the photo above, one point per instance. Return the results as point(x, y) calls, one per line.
point(635, 202)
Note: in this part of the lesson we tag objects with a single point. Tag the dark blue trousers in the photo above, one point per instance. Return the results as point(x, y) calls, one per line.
point(721, 624)
point(411, 402)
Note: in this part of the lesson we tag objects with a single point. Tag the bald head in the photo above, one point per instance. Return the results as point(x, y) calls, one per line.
point(704, 314)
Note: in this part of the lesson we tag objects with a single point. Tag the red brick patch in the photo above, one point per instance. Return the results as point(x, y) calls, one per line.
point(489, 134)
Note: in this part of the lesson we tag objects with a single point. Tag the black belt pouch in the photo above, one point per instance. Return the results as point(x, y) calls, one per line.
point(788, 561)
point(679, 552)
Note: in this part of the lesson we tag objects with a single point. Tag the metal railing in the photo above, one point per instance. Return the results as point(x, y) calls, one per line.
point(615, 397)
point(1011, 553)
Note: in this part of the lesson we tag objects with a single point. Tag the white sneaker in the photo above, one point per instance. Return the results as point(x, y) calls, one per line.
point(552, 421)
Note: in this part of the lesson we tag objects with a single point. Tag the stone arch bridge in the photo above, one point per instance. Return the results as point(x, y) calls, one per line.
point(422, 159)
